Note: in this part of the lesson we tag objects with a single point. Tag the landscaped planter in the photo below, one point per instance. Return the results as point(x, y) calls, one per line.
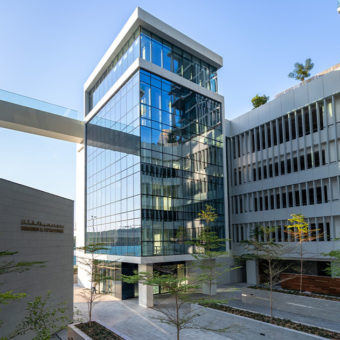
point(273, 328)
point(311, 283)
point(74, 333)
point(302, 305)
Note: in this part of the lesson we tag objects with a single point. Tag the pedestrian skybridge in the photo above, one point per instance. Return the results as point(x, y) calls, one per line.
point(37, 117)
point(30, 115)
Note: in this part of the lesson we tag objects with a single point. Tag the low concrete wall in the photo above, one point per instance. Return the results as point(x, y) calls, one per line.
point(241, 327)
point(311, 283)
point(74, 333)
point(302, 305)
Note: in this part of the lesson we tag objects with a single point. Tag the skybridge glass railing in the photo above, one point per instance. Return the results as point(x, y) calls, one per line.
point(33, 103)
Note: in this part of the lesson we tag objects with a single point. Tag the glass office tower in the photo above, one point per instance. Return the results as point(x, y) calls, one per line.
point(153, 147)
point(140, 195)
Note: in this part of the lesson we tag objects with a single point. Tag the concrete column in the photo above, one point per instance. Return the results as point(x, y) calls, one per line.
point(145, 293)
point(251, 267)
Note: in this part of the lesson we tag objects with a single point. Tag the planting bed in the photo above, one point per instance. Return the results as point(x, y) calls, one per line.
point(296, 292)
point(278, 322)
point(98, 332)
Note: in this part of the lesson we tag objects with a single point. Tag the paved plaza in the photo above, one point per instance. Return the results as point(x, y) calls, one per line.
point(138, 323)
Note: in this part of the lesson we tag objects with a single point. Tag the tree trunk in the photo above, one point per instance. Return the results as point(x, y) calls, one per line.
point(301, 265)
point(210, 280)
point(177, 317)
point(271, 289)
point(90, 306)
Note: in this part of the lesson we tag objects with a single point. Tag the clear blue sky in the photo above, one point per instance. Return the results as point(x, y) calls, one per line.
point(49, 48)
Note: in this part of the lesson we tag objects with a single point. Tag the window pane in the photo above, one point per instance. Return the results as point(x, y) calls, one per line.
point(167, 57)
point(177, 64)
point(145, 47)
point(187, 68)
point(145, 93)
point(156, 53)
point(156, 97)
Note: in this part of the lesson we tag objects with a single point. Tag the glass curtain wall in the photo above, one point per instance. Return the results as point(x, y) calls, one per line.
point(113, 173)
point(162, 53)
point(154, 160)
point(126, 56)
point(181, 164)
point(158, 51)
point(112, 270)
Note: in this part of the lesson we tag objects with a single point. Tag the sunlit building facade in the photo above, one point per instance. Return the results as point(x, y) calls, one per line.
point(154, 147)
point(158, 150)
point(283, 159)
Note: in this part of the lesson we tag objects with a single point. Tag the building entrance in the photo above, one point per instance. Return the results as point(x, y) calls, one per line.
point(175, 268)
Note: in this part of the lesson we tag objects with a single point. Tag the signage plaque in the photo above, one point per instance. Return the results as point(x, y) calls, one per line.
point(30, 225)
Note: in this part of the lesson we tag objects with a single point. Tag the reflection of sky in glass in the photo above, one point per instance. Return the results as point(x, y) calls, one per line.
point(141, 199)
point(37, 104)
point(181, 161)
point(113, 176)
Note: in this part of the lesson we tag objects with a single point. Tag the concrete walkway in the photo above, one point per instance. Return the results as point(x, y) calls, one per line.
point(234, 300)
point(138, 323)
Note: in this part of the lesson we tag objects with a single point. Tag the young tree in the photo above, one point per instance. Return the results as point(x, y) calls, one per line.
point(333, 269)
point(42, 319)
point(299, 230)
point(301, 71)
point(262, 247)
point(259, 100)
point(90, 265)
point(176, 312)
point(209, 247)
point(7, 266)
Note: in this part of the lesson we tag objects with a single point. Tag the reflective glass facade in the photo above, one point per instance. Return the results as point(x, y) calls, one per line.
point(154, 160)
point(158, 51)
point(181, 164)
point(126, 56)
point(113, 173)
point(162, 53)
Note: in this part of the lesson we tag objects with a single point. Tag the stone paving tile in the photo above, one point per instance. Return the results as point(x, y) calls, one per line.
point(138, 323)
point(234, 300)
